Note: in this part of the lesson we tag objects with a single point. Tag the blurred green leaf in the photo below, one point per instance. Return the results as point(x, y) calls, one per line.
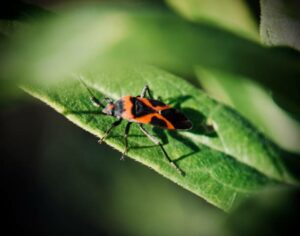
point(232, 15)
point(8, 27)
point(222, 168)
point(254, 103)
point(280, 22)
point(150, 35)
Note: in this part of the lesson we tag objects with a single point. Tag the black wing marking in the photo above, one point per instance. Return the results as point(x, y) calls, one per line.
point(177, 118)
point(156, 103)
point(139, 108)
point(158, 122)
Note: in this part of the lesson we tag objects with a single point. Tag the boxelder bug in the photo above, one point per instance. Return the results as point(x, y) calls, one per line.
point(142, 110)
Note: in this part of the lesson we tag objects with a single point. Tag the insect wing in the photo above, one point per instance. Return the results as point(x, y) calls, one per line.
point(176, 118)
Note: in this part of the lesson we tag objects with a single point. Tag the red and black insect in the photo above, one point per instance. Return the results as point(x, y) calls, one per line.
point(142, 110)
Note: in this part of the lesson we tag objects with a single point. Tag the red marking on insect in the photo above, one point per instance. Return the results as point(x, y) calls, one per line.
point(142, 110)
point(148, 111)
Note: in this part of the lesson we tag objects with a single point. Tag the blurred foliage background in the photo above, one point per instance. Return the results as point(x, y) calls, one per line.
point(57, 180)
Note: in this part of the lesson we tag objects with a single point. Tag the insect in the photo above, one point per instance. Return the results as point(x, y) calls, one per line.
point(142, 110)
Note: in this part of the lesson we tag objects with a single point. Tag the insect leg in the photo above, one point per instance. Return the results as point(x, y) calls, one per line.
point(108, 100)
point(126, 139)
point(113, 125)
point(146, 90)
point(96, 102)
point(157, 142)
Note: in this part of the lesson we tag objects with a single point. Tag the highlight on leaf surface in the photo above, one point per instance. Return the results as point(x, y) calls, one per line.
point(256, 104)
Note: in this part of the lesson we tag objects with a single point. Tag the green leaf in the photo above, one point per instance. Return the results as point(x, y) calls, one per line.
point(280, 23)
point(232, 15)
point(222, 168)
point(253, 102)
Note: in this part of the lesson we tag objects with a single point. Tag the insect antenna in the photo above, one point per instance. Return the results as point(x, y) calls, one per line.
point(93, 98)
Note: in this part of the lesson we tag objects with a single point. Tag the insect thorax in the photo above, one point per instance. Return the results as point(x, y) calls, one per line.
point(119, 108)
